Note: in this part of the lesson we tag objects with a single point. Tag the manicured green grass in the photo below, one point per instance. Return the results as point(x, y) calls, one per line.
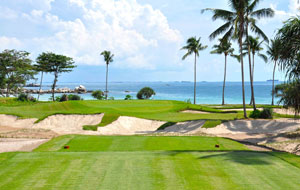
point(147, 109)
point(212, 123)
point(140, 162)
point(139, 143)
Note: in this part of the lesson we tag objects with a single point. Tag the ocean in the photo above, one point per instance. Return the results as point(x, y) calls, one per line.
point(207, 92)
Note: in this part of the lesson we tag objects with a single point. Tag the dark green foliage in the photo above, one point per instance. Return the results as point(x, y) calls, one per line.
point(289, 94)
point(266, 113)
point(168, 124)
point(74, 97)
point(289, 56)
point(56, 64)
point(15, 69)
point(145, 93)
point(26, 98)
point(255, 114)
point(98, 94)
point(128, 97)
point(64, 98)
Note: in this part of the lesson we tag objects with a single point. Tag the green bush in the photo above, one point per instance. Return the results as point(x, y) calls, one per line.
point(145, 93)
point(98, 94)
point(266, 113)
point(74, 97)
point(255, 114)
point(63, 98)
point(26, 98)
point(111, 98)
point(128, 97)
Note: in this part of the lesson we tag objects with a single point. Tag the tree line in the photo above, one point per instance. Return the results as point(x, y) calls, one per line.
point(16, 68)
point(283, 51)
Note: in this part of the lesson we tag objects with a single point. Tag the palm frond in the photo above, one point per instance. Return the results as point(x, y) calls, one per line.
point(263, 13)
point(220, 30)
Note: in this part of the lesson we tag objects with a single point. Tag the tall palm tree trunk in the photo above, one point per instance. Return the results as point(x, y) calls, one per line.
point(195, 78)
point(40, 85)
point(242, 66)
point(224, 83)
point(273, 87)
point(250, 69)
point(106, 91)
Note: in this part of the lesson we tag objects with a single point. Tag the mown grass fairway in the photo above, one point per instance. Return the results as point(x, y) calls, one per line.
point(132, 163)
point(149, 109)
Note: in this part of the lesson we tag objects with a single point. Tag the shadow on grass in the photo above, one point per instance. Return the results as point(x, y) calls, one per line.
point(241, 157)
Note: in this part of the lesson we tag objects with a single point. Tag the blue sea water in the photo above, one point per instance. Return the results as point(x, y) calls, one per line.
point(207, 92)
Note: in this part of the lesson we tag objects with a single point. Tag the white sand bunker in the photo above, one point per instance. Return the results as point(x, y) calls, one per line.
point(130, 126)
point(255, 127)
point(195, 112)
point(69, 124)
point(15, 122)
point(12, 145)
point(189, 127)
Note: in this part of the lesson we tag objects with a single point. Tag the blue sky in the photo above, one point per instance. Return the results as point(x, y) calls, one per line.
point(145, 36)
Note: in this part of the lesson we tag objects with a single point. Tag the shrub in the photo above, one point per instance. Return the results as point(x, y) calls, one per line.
point(145, 93)
point(255, 114)
point(26, 98)
point(188, 101)
point(63, 98)
point(111, 98)
point(267, 113)
point(74, 97)
point(128, 97)
point(98, 94)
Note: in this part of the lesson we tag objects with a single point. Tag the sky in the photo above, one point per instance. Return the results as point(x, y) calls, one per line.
point(144, 35)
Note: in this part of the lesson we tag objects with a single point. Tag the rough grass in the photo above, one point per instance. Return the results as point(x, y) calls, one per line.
point(146, 109)
point(108, 118)
point(212, 123)
point(139, 162)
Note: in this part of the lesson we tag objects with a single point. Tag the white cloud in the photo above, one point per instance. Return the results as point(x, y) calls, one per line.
point(9, 43)
point(125, 27)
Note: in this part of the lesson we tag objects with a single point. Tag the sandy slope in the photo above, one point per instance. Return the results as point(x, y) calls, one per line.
point(130, 126)
point(12, 145)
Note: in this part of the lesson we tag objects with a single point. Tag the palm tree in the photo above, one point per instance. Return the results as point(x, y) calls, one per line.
point(193, 47)
point(250, 18)
point(224, 47)
point(108, 58)
point(234, 27)
point(274, 52)
point(255, 48)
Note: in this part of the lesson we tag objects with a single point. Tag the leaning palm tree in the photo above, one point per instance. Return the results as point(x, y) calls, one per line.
point(274, 52)
point(255, 49)
point(108, 58)
point(234, 27)
point(193, 47)
point(250, 18)
point(224, 47)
